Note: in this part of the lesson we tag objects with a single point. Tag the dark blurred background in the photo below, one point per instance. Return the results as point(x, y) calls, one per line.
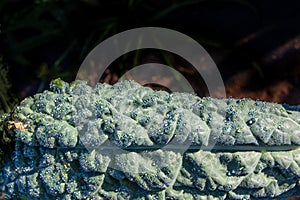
point(255, 44)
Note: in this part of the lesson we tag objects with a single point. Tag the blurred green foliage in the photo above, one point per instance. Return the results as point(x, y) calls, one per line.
point(45, 39)
point(6, 100)
point(50, 37)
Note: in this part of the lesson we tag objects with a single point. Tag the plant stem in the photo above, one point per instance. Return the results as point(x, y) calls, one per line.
point(4, 103)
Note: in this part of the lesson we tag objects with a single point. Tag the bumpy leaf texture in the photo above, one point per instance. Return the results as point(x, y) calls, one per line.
point(129, 142)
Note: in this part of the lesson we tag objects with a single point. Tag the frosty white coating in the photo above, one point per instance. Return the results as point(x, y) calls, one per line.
point(49, 160)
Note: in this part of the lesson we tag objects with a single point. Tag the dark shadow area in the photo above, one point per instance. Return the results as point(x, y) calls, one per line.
point(255, 44)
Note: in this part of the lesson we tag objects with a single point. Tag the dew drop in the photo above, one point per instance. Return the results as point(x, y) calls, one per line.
point(250, 121)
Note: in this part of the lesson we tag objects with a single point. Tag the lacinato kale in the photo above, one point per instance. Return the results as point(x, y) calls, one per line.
point(127, 141)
